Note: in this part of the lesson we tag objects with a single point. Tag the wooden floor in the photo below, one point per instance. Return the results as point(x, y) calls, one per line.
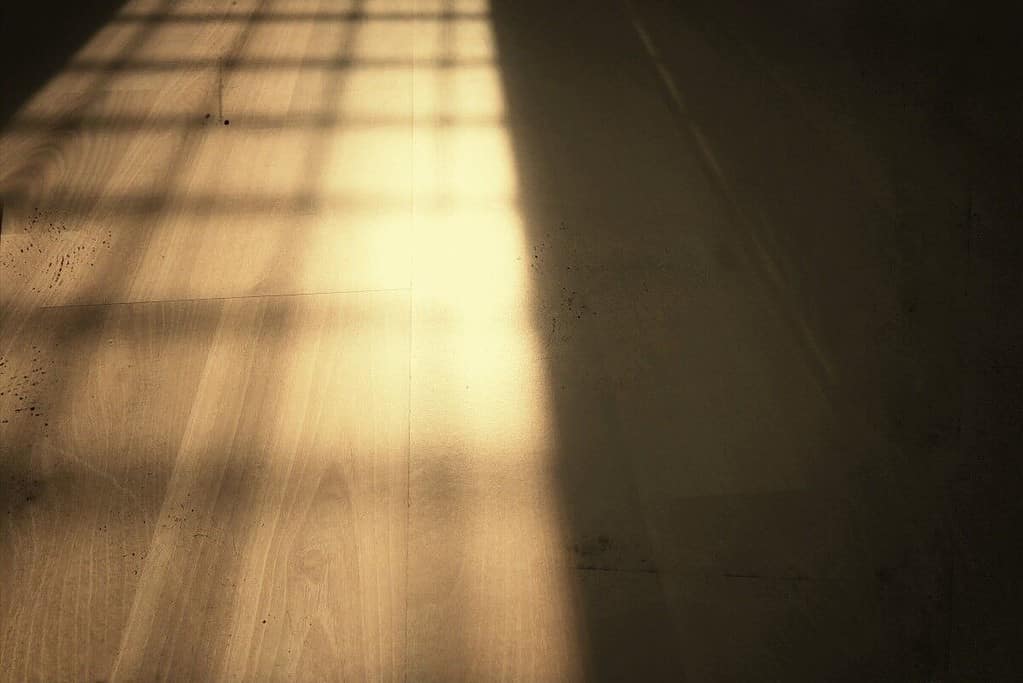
point(347, 340)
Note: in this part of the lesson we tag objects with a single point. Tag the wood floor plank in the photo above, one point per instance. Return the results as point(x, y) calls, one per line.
point(491, 596)
point(206, 491)
point(455, 475)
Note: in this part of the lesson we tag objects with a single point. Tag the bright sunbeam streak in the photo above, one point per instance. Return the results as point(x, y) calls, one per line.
point(481, 407)
point(261, 185)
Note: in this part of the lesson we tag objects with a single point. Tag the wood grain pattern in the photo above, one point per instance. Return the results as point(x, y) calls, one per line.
point(323, 357)
point(201, 482)
point(207, 490)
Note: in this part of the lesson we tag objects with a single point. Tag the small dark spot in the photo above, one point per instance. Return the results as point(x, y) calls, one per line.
point(264, 621)
point(207, 116)
point(227, 122)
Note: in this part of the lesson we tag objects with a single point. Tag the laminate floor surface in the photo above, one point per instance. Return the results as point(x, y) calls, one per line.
point(409, 340)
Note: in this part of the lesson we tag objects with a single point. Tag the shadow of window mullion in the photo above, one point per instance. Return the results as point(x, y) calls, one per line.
point(154, 205)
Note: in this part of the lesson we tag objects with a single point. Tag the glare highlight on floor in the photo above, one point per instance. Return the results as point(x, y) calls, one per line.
point(483, 442)
point(302, 274)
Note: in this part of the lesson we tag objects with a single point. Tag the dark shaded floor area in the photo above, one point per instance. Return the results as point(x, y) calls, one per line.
point(864, 164)
point(37, 39)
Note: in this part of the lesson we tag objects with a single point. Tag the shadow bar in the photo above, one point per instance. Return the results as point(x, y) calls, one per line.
point(288, 17)
point(268, 64)
point(250, 122)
